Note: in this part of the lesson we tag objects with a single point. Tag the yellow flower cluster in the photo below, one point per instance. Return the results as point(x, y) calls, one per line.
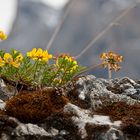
point(3, 36)
point(71, 62)
point(74, 63)
point(8, 59)
point(39, 54)
point(112, 60)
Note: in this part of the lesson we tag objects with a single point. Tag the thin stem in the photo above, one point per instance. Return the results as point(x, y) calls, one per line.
point(109, 72)
point(88, 69)
point(114, 22)
point(58, 28)
point(35, 66)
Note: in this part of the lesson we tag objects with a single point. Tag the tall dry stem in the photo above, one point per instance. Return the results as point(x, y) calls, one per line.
point(114, 22)
point(60, 25)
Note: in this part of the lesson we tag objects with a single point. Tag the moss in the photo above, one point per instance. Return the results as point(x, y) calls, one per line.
point(119, 110)
point(129, 115)
point(131, 127)
point(34, 106)
point(2, 112)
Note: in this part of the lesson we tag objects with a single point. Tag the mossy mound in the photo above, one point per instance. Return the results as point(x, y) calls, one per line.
point(35, 106)
point(128, 114)
point(119, 110)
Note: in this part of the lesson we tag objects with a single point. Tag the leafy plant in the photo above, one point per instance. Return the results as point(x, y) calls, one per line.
point(35, 69)
point(111, 62)
point(38, 68)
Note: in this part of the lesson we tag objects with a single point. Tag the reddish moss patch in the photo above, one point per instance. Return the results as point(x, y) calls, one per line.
point(129, 115)
point(36, 105)
point(131, 127)
point(119, 110)
point(2, 112)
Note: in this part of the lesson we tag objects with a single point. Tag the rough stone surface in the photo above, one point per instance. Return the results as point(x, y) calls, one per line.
point(6, 91)
point(76, 122)
point(95, 88)
point(2, 105)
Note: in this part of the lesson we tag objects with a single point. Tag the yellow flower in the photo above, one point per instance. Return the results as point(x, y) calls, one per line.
point(17, 61)
point(68, 58)
point(2, 63)
point(75, 62)
point(46, 56)
point(8, 58)
point(57, 80)
point(32, 54)
point(19, 58)
point(3, 36)
point(39, 55)
point(14, 62)
point(112, 60)
point(74, 68)
point(70, 63)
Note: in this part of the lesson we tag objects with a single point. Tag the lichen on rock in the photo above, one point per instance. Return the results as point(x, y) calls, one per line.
point(85, 108)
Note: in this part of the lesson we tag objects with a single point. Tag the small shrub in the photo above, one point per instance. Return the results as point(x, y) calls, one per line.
point(34, 68)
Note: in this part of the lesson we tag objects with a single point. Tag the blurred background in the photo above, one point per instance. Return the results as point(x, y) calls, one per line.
point(69, 25)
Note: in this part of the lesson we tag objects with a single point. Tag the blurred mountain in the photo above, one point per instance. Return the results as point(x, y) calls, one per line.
point(36, 22)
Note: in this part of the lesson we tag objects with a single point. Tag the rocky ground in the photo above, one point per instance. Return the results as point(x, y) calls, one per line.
point(88, 108)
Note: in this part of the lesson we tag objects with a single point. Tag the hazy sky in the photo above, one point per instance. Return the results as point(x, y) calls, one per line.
point(8, 9)
point(56, 3)
point(7, 14)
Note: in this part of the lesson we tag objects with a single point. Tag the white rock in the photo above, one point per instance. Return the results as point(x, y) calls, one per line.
point(84, 116)
point(31, 129)
point(2, 105)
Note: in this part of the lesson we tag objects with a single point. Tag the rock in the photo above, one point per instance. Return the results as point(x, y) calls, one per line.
point(2, 105)
point(95, 109)
point(114, 134)
point(82, 117)
point(96, 88)
point(11, 128)
point(126, 86)
point(30, 129)
point(6, 91)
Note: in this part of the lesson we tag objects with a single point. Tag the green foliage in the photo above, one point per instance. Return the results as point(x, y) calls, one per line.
point(37, 68)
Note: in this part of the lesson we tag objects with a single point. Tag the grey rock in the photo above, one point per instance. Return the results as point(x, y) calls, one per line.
point(82, 117)
point(6, 91)
point(55, 128)
point(2, 105)
point(114, 134)
point(12, 129)
point(30, 129)
point(127, 87)
point(96, 88)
